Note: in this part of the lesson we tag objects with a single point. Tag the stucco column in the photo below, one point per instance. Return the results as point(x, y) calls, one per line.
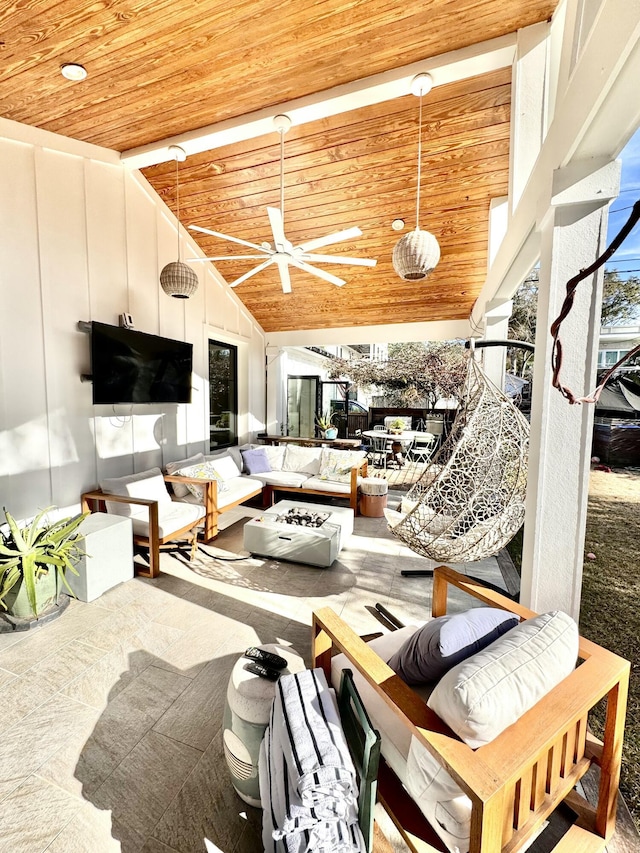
point(573, 235)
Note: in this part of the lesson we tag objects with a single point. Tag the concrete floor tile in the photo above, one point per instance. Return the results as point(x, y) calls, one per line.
point(145, 782)
point(49, 809)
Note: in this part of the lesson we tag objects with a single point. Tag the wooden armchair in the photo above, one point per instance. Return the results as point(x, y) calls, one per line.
point(157, 520)
point(518, 779)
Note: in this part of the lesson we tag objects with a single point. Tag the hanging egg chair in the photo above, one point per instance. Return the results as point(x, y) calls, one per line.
point(469, 502)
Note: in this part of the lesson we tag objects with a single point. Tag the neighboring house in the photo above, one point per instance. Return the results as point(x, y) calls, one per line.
point(615, 342)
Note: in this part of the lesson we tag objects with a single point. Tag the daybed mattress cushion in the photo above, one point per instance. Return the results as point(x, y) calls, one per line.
point(396, 739)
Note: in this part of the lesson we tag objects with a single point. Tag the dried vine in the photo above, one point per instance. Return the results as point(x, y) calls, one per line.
point(572, 284)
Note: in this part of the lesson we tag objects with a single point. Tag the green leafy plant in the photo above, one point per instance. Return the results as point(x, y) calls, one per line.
point(28, 552)
point(324, 422)
point(397, 423)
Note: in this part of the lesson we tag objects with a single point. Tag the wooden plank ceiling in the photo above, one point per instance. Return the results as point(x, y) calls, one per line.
point(159, 68)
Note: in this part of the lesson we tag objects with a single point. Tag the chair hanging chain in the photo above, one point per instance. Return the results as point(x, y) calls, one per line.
point(419, 162)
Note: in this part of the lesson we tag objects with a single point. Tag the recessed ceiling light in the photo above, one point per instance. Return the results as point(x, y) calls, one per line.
point(73, 71)
point(397, 224)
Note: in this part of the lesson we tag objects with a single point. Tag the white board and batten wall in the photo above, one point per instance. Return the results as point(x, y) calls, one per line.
point(83, 238)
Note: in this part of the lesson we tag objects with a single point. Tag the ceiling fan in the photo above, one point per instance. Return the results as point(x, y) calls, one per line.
point(283, 252)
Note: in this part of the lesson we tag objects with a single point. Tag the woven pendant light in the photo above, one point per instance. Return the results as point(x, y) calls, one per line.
point(176, 278)
point(417, 253)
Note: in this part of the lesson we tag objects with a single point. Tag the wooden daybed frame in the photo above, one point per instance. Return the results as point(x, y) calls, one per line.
point(516, 781)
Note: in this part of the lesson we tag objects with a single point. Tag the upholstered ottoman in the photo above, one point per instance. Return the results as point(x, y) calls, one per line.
point(246, 714)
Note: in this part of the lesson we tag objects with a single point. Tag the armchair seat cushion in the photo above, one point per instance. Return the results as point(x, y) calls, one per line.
point(171, 517)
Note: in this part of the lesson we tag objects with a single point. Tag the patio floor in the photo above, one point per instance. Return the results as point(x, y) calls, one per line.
point(110, 717)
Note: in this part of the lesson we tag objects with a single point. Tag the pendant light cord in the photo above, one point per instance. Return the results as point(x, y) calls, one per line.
point(419, 164)
point(178, 208)
point(282, 174)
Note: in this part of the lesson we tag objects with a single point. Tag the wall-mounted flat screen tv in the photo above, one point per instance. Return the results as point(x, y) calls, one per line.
point(132, 367)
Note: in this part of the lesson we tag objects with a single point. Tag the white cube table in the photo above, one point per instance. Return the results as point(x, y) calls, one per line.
point(316, 546)
point(108, 560)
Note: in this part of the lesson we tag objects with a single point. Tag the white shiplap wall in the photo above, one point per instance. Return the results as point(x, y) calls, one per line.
point(82, 238)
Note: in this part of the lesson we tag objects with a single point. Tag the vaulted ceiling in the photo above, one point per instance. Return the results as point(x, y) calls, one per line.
point(161, 69)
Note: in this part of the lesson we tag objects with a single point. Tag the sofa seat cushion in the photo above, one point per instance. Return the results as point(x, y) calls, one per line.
point(149, 485)
point(329, 485)
point(282, 478)
point(238, 489)
point(396, 738)
point(171, 517)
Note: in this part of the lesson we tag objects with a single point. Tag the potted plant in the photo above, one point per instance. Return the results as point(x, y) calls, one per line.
point(328, 430)
point(33, 562)
point(396, 426)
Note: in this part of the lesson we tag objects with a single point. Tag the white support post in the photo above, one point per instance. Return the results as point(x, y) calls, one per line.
point(496, 329)
point(573, 235)
point(276, 371)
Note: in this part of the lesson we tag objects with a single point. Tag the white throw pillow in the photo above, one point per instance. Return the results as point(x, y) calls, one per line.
point(303, 460)
point(225, 467)
point(147, 484)
point(179, 489)
point(275, 455)
point(488, 692)
point(203, 471)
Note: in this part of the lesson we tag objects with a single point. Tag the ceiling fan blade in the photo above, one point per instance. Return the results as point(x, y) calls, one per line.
point(336, 237)
point(327, 276)
point(277, 227)
point(340, 259)
point(229, 258)
point(285, 278)
point(254, 271)
point(225, 237)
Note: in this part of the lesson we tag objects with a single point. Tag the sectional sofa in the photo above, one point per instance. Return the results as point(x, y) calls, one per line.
point(224, 480)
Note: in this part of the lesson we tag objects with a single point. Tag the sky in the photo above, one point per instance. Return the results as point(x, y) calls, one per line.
point(627, 259)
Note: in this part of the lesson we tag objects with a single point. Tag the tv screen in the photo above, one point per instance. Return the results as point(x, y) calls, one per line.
point(133, 367)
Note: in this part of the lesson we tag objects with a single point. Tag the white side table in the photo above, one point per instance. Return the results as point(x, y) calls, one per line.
point(108, 544)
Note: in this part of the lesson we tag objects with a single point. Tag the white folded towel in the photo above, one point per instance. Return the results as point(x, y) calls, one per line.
point(307, 727)
point(308, 783)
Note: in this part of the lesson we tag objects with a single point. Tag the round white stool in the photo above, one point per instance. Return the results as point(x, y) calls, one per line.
point(246, 715)
point(373, 496)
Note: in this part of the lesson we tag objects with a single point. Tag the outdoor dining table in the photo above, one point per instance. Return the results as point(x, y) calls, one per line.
point(398, 440)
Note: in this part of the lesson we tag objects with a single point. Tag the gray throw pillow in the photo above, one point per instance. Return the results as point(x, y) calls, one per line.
point(447, 640)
